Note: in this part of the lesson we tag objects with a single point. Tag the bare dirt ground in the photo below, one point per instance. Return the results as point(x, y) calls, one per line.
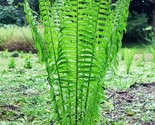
point(135, 106)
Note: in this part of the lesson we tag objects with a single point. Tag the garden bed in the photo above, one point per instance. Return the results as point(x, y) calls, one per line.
point(25, 99)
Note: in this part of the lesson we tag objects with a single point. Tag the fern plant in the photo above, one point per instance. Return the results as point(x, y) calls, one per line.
point(80, 40)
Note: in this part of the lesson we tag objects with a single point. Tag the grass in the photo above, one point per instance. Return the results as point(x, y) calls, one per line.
point(16, 38)
point(141, 71)
point(25, 99)
point(20, 38)
point(139, 48)
point(24, 94)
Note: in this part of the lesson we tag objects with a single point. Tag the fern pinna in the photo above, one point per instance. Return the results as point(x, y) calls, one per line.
point(81, 38)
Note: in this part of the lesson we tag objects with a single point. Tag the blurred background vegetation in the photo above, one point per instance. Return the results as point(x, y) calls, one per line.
point(14, 33)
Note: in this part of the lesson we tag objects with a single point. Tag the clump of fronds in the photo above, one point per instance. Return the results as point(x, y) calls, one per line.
point(81, 39)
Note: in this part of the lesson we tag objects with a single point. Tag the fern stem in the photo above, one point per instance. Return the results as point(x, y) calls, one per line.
point(54, 97)
point(90, 71)
point(77, 65)
point(55, 59)
point(37, 37)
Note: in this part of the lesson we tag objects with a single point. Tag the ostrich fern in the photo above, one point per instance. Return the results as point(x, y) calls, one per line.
point(81, 38)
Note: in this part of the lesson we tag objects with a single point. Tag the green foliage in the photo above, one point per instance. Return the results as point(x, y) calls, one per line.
point(28, 64)
point(151, 39)
point(135, 27)
point(4, 54)
point(14, 54)
point(153, 53)
point(11, 63)
point(8, 15)
point(21, 54)
point(16, 38)
point(11, 13)
point(10, 2)
point(128, 57)
point(122, 54)
point(80, 41)
point(29, 89)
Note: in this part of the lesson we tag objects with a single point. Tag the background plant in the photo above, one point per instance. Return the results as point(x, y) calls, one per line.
point(28, 63)
point(80, 41)
point(10, 15)
point(32, 91)
point(122, 54)
point(14, 54)
point(16, 38)
point(151, 40)
point(5, 54)
point(135, 28)
point(128, 57)
point(11, 63)
point(153, 53)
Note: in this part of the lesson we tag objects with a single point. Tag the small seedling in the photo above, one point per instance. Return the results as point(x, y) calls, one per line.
point(139, 63)
point(122, 54)
point(143, 57)
point(153, 53)
point(5, 54)
point(128, 57)
point(11, 63)
point(21, 54)
point(152, 48)
point(129, 112)
point(28, 64)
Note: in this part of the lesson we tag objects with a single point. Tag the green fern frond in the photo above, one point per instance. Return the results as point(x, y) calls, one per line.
point(80, 41)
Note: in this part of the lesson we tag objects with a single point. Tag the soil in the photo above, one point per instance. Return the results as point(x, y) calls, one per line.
point(135, 106)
